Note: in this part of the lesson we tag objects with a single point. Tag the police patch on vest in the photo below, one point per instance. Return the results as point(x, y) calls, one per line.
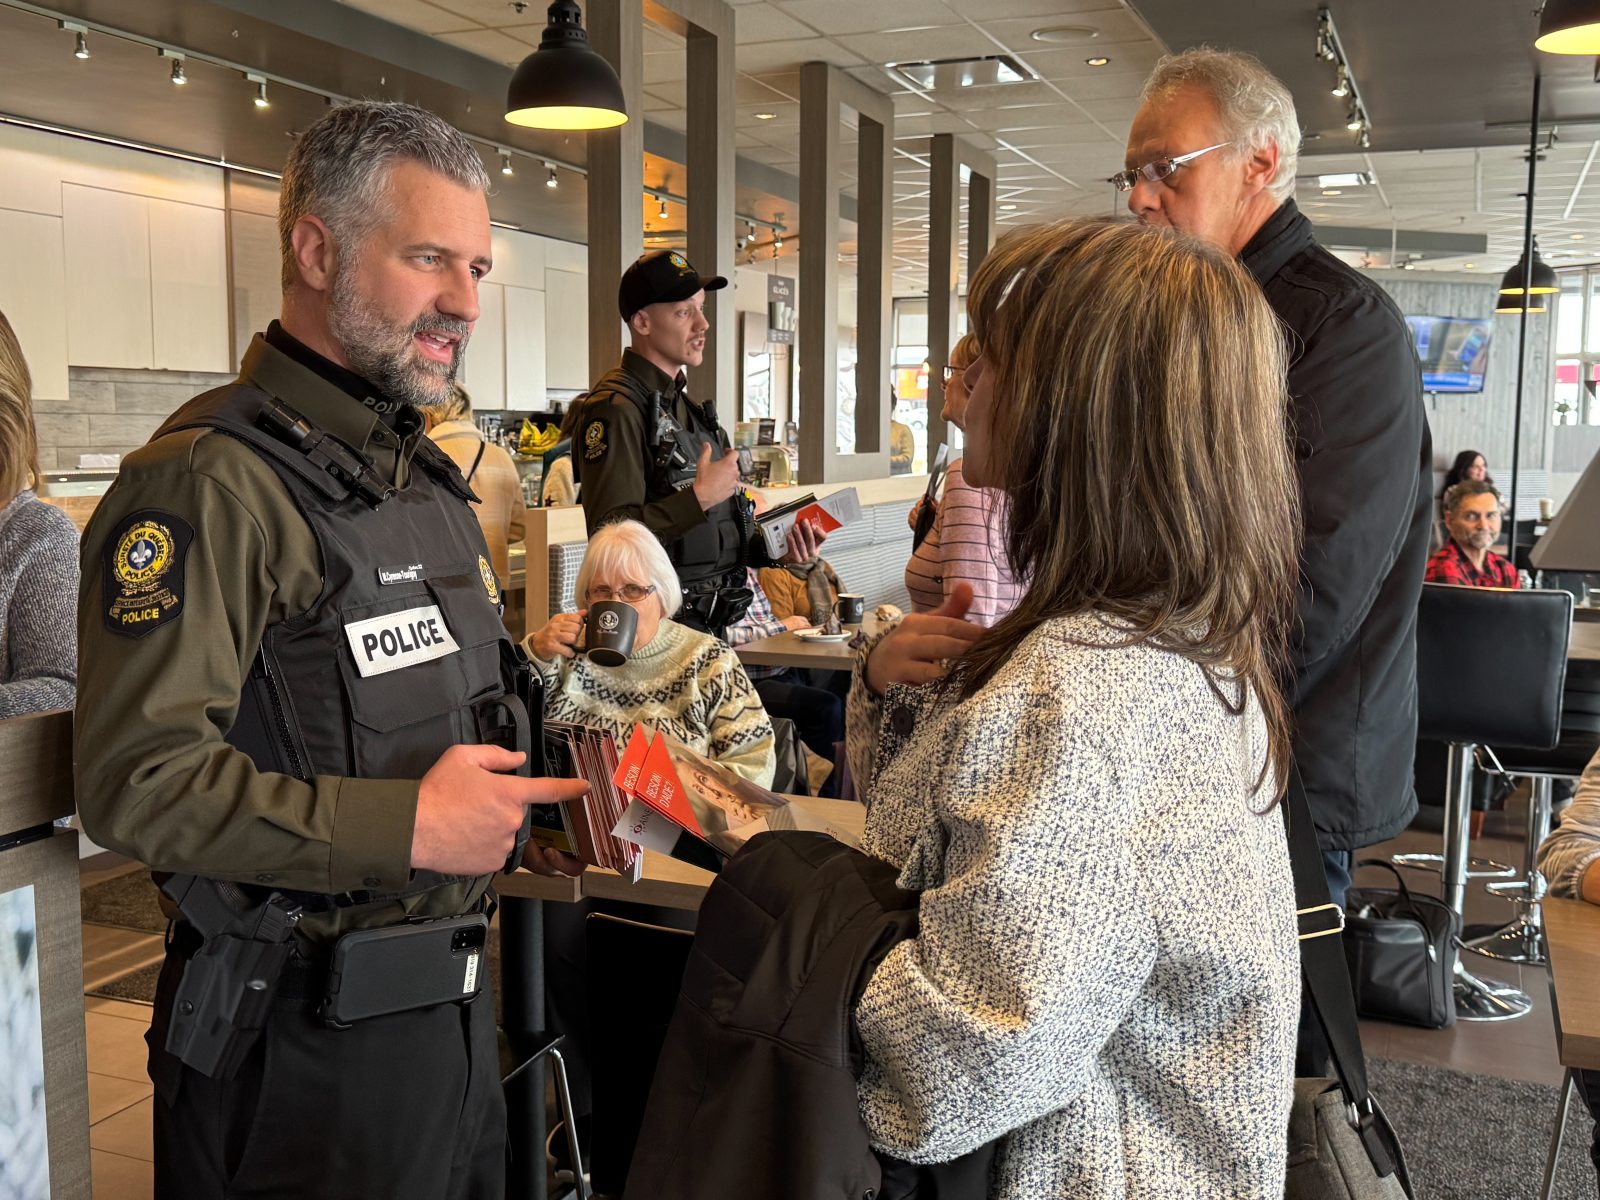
point(490, 584)
point(402, 639)
point(594, 440)
point(143, 571)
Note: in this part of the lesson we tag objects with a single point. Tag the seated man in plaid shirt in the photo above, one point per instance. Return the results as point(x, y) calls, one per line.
point(818, 714)
point(1472, 516)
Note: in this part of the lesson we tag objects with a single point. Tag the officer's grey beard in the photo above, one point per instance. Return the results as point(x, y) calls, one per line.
point(383, 352)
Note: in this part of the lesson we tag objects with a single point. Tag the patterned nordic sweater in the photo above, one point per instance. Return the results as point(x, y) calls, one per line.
point(685, 683)
point(1106, 974)
point(38, 607)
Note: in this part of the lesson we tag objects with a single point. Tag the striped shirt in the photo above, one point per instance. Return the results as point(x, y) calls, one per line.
point(965, 543)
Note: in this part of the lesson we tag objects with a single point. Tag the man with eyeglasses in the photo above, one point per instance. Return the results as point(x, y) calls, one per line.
point(1212, 153)
point(1472, 515)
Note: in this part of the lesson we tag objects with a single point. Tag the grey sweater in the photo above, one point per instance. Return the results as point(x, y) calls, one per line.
point(1106, 975)
point(38, 607)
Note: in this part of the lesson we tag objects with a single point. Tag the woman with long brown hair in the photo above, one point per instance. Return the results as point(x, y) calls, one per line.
point(1106, 977)
point(38, 559)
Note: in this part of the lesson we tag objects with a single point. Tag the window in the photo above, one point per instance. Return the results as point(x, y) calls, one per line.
point(1577, 347)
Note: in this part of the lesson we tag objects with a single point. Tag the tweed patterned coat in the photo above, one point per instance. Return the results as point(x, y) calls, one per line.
point(1107, 973)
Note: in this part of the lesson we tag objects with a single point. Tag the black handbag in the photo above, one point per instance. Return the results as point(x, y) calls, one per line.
point(1400, 948)
point(1341, 1145)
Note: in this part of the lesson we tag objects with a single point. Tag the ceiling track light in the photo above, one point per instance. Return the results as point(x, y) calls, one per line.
point(505, 163)
point(82, 50)
point(552, 180)
point(1331, 49)
point(260, 81)
point(662, 211)
point(178, 76)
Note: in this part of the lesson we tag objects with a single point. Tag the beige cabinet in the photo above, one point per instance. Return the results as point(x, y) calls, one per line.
point(146, 282)
point(483, 369)
point(525, 347)
point(109, 321)
point(566, 330)
point(33, 296)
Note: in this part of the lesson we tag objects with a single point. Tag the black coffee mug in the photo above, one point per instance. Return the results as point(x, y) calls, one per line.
point(852, 609)
point(609, 629)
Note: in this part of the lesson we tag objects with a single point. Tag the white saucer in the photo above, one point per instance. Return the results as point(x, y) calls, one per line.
point(816, 635)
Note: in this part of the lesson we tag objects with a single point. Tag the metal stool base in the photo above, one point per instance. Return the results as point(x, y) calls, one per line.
point(1477, 868)
point(1477, 1000)
point(1522, 941)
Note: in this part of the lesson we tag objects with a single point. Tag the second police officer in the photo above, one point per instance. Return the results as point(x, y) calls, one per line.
point(643, 449)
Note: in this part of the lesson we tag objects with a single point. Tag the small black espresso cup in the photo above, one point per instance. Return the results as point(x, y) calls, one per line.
point(852, 609)
point(608, 633)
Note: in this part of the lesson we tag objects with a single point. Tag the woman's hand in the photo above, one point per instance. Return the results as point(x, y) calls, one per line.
point(916, 510)
point(560, 636)
point(796, 622)
point(920, 648)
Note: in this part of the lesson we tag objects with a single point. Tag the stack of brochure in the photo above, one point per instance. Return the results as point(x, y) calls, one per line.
point(580, 826)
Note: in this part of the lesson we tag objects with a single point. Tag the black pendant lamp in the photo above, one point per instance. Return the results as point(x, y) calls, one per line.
point(564, 84)
point(1519, 282)
point(1569, 27)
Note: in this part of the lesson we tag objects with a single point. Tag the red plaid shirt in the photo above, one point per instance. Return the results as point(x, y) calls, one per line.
point(1450, 565)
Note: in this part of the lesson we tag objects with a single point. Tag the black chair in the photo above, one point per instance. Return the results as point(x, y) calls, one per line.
point(1522, 941)
point(1517, 639)
point(519, 1052)
point(635, 973)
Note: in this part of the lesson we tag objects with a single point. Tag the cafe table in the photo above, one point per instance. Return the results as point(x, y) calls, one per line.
point(789, 649)
point(1572, 936)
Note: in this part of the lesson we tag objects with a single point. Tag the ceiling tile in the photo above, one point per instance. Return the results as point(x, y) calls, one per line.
point(781, 56)
point(853, 16)
point(766, 23)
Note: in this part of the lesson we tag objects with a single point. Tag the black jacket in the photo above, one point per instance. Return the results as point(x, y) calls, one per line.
point(1365, 460)
point(755, 1090)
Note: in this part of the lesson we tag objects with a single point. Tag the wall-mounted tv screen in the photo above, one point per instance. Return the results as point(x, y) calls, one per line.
point(1453, 352)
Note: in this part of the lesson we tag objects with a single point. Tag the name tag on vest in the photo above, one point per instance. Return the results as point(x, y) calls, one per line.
point(402, 639)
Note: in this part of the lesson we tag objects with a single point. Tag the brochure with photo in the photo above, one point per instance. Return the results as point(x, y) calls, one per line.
point(582, 827)
point(831, 512)
point(676, 791)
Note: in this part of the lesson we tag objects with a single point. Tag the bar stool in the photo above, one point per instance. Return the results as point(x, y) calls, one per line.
point(1522, 941)
point(1519, 640)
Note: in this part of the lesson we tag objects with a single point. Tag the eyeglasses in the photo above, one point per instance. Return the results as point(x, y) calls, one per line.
point(951, 374)
point(631, 592)
point(1159, 170)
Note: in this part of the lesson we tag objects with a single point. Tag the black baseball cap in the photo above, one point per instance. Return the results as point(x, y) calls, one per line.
point(661, 276)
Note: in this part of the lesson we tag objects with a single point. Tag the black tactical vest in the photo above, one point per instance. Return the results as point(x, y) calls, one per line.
point(720, 546)
point(403, 648)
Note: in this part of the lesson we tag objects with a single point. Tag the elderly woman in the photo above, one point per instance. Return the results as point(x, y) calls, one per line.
point(1106, 975)
point(966, 543)
point(683, 682)
point(38, 560)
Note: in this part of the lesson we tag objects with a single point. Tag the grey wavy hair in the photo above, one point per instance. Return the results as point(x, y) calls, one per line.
point(1254, 105)
point(339, 168)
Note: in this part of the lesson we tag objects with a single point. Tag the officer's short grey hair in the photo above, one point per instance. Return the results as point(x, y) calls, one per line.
point(628, 549)
point(1254, 105)
point(339, 168)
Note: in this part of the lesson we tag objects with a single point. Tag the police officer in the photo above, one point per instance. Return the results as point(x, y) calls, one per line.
point(645, 450)
point(291, 657)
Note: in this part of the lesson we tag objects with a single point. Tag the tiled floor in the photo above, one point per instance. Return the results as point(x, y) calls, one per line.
point(120, 1091)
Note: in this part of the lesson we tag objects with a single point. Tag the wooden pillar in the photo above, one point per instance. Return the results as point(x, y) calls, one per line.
point(707, 26)
point(616, 176)
point(949, 156)
point(824, 92)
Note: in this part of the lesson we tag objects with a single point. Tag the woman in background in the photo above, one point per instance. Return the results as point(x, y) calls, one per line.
point(489, 472)
point(968, 538)
point(38, 560)
point(1106, 974)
